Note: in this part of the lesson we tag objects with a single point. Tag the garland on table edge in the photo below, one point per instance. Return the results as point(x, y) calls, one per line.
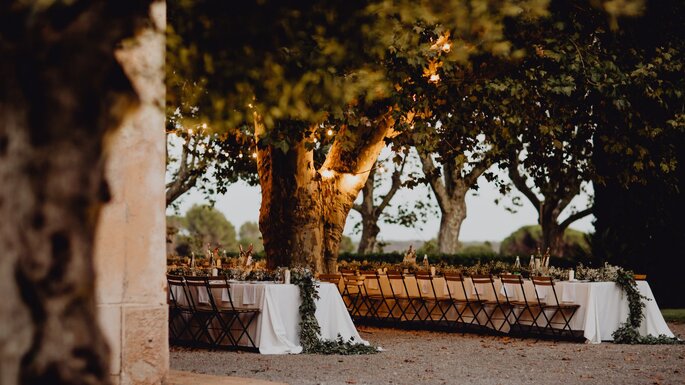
point(628, 332)
point(309, 326)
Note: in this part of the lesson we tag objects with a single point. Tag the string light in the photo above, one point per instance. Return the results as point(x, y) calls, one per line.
point(254, 154)
point(190, 131)
point(204, 126)
point(240, 155)
point(329, 132)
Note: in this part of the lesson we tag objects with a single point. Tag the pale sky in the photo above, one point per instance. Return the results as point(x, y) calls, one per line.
point(485, 221)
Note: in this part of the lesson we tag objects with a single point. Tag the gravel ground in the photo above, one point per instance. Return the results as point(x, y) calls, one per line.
point(423, 357)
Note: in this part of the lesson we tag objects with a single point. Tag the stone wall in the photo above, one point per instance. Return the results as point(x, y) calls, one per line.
point(130, 244)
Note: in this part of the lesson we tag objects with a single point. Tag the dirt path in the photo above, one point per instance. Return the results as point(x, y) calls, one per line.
point(422, 357)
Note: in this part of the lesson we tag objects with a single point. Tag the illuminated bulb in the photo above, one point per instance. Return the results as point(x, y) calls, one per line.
point(329, 132)
point(327, 173)
point(434, 78)
point(204, 126)
point(254, 154)
point(240, 155)
point(190, 131)
point(249, 105)
point(446, 47)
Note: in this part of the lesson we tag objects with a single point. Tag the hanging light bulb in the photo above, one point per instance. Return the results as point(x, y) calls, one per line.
point(254, 154)
point(190, 131)
point(240, 155)
point(204, 126)
point(329, 132)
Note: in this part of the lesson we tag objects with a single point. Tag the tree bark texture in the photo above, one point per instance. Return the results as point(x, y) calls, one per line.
point(450, 192)
point(303, 209)
point(62, 91)
point(556, 197)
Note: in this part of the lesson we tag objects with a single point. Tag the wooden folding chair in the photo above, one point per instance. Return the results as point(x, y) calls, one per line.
point(401, 299)
point(180, 310)
point(377, 300)
point(461, 305)
point(558, 309)
point(233, 319)
point(488, 306)
point(518, 307)
point(203, 313)
point(344, 294)
point(358, 306)
point(429, 300)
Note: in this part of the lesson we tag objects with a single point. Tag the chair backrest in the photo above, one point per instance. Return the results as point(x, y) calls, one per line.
point(512, 279)
point(347, 272)
point(366, 277)
point(395, 276)
point(177, 295)
point(423, 279)
point(450, 278)
point(331, 278)
point(194, 285)
point(546, 282)
point(479, 279)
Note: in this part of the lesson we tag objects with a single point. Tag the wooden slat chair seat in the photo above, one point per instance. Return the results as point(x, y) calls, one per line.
point(563, 310)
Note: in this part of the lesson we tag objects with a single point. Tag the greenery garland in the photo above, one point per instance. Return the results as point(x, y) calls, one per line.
point(309, 326)
point(628, 332)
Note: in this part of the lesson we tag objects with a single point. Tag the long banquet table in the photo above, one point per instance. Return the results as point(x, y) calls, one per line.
point(603, 305)
point(276, 329)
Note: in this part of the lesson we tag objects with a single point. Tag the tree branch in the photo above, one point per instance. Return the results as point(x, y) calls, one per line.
point(520, 184)
point(396, 184)
point(434, 180)
point(478, 170)
point(574, 217)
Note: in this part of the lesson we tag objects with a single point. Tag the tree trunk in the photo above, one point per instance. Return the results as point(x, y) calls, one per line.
point(551, 231)
point(370, 230)
point(53, 122)
point(453, 216)
point(303, 210)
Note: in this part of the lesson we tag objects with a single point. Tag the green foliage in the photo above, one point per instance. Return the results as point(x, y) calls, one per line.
point(309, 326)
point(436, 259)
point(628, 332)
point(674, 315)
point(346, 245)
point(207, 225)
point(249, 234)
point(430, 247)
point(480, 249)
point(527, 239)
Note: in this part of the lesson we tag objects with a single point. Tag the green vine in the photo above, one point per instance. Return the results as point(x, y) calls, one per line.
point(309, 326)
point(628, 332)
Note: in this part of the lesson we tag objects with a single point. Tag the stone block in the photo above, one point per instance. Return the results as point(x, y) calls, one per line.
point(145, 352)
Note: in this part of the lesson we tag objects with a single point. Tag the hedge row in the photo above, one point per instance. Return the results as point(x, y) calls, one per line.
point(449, 259)
point(446, 259)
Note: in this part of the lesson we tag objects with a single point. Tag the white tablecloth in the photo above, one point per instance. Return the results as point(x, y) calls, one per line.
point(603, 305)
point(276, 329)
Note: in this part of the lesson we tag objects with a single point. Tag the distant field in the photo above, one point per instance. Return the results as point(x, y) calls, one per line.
point(674, 315)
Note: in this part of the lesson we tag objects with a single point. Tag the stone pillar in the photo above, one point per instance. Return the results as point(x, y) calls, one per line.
point(130, 251)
